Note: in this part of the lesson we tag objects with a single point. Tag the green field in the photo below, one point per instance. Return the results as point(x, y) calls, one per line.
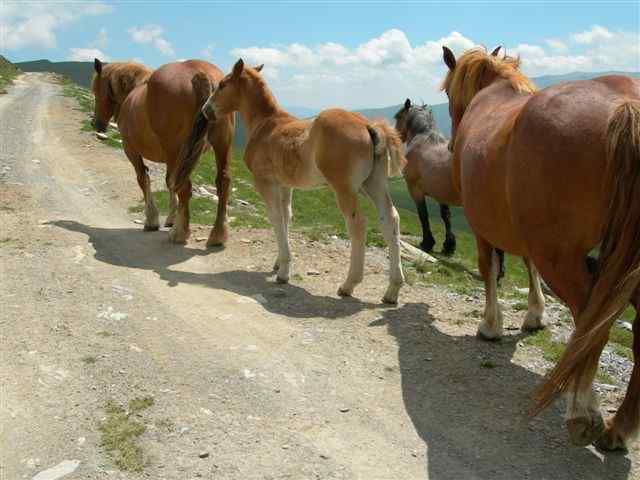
point(316, 215)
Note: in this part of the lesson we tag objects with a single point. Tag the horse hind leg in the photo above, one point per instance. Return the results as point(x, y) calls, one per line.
point(535, 313)
point(152, 220)
point(626, 422)
point(376, 188)
point(428, 242)
point(173, 203)
point(449, 246)
point(489, 265)
point(571, 281)
point(221, 139)
point(356, 226)
point(272, 195)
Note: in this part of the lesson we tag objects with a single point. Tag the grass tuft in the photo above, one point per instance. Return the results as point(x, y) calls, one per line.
point(119, 433)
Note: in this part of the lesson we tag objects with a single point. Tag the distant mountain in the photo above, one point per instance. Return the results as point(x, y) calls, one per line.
point(441, 110)
point(80, 72)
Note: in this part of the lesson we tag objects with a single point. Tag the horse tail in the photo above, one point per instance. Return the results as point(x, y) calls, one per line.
point(388, 145)
point(618, 269)
point(192, 149)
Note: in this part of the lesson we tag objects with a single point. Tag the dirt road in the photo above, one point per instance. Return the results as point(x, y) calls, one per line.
point(263, 381)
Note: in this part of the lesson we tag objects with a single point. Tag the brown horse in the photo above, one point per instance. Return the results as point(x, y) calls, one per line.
point(338, 148)
point(549, 175)
point(428, 172)
point(155, 112)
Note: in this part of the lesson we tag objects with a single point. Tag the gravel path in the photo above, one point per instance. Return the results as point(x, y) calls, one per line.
point(250, 379)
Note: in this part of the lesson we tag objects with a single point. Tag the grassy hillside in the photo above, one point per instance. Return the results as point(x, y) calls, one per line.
point(8, 71)
point(80, 72)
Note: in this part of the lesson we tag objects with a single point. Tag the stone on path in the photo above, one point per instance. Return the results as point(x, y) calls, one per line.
point(59, 471)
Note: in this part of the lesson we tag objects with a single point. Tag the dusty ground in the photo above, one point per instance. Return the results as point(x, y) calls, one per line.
point(273, 382)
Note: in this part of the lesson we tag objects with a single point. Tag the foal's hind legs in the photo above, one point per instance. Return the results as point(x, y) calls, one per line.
point(534, 318)
point(626, 422)
point(428, 242)
point(356, 226)
point(376, 188)
point(276, 198)
point(449, 246)
point(152, 220)
point(489, 266)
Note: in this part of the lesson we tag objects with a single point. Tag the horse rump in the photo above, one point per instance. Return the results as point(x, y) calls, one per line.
point(192, 149)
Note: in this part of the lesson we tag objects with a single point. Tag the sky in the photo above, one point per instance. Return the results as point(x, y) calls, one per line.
point(354, 54)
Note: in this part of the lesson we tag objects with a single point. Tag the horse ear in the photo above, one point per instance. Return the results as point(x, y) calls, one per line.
point(238, 68)
point(496, 50)
point(407, 104)
point(97, 65)
point(259, 68)
point(449, 58)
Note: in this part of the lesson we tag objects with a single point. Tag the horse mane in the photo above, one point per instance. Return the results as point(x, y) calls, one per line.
point(420, 122)
point(122, 77)
point(264, 97)
point(472, 70)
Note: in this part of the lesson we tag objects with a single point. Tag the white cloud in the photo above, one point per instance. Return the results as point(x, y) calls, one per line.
point(590, 36)
point(557, 45)
point(37, 24)
point(207, 52)
point(152, 34)
point(388, 68)
point(86, 55)
point(101, 40)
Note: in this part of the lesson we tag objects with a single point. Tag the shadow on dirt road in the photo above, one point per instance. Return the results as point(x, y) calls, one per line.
point(468, 401)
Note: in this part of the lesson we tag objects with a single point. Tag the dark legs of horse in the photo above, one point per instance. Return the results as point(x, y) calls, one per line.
point(626, 421)
point(449, 246)
point(221, 139)
point(428, 242)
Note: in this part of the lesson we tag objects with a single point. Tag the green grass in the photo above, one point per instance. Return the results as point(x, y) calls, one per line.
point(119, 433)
point(8, 72)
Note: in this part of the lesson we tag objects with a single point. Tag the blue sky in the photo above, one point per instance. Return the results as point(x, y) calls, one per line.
point(353, 54)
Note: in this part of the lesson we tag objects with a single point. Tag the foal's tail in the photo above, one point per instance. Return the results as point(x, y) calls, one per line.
point(191, 150)
point(388, 145)
point(618, 272)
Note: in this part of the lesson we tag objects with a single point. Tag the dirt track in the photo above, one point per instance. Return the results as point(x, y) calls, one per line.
point(274, 382)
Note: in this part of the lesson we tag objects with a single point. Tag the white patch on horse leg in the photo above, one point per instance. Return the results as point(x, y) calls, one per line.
point(491, 326)
point(173, 207)
point(276, 217)
point(390, 224)
point(583, 418)
point(179, 233)
point(534, 318)
point(356, 225)
point(152, 217)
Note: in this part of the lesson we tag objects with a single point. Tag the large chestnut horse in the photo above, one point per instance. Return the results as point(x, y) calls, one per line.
point(155, 112)
point(338, 148)
point(549, 175)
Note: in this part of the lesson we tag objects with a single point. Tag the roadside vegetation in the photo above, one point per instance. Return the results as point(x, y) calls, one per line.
point(316, 214)
point(8, 72)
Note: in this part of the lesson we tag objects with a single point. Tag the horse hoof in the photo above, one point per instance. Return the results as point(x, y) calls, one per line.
point(448, 249)
point(342, 292)
point(584, 431)
point(389, 300)
point(218, 238)
point(427, 247)
point(488, 335)
point(151, 228)
point(611, 442)
point(281, 280)
point(532, 327)
point(178, 238)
